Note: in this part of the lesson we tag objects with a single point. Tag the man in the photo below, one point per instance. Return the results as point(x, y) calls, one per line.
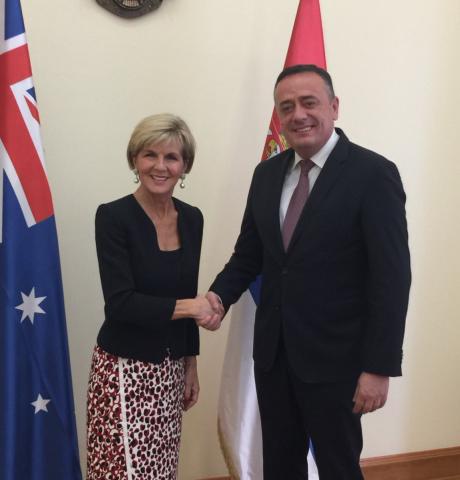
point(325, 227)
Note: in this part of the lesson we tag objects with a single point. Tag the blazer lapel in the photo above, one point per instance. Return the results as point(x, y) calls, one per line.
point(273, 199)
point(325, 181)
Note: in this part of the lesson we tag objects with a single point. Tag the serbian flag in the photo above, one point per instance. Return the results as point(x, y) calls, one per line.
point(38, 438)
point(238, 414)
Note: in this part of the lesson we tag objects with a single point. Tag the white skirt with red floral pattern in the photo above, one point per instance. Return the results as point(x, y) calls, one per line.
point(134, 418)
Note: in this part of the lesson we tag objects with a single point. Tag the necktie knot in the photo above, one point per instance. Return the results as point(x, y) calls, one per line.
point(305, 166)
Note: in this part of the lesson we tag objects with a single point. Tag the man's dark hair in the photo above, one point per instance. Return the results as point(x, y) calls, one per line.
point(308, 68)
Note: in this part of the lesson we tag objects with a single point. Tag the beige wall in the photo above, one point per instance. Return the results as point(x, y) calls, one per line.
point(396, 70)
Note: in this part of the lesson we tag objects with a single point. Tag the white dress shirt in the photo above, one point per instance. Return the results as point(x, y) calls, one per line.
point(292, 176)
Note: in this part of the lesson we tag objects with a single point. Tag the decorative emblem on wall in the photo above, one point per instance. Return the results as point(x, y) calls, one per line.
point(130, 8)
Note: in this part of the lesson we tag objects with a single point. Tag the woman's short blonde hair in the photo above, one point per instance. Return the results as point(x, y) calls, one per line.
point(160, 128)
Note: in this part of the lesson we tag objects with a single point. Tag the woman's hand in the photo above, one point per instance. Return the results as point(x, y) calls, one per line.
point(201, 310)
point(192, 386)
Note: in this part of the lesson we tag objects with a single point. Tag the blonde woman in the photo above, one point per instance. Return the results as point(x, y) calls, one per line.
point(144, 370)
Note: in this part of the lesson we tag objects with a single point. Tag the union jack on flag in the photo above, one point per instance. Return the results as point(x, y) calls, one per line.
point(38, 438)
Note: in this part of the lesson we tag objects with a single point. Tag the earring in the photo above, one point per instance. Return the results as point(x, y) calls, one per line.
point(182, 183)
point(136, 176)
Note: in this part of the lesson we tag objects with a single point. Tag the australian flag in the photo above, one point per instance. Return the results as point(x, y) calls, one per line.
point(38, 438)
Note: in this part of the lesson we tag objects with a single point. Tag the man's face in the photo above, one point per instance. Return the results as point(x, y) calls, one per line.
point(306, 112)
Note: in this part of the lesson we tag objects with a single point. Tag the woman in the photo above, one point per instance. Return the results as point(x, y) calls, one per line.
point(144, 370)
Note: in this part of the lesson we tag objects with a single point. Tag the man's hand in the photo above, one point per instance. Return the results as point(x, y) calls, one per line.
point(212, 316)
point(371, 392)
point(216, 304)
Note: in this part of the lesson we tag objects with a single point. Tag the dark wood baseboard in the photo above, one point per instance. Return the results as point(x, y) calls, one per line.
point(217, 478)
point(441, 464)
point(427, 465)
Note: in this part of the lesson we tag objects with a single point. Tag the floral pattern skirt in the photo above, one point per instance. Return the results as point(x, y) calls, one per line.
point(134, 418)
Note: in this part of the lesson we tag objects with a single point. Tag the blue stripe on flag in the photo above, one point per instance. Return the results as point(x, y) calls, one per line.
point(31, 92)
point(254, 288)
point(14, 24)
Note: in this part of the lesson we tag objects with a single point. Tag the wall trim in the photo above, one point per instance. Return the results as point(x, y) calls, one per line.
point(443, 463)
point(440, 464)
point(216, 478)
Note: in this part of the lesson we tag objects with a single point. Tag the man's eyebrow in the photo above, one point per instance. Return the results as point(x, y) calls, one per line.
point(304, 97)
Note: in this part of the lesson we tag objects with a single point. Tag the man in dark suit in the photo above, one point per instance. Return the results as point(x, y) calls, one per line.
point(335, 283)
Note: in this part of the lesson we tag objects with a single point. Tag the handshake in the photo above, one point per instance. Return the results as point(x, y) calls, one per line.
point(208, 311)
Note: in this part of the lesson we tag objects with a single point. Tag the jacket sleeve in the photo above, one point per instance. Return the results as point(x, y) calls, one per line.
point(193, 338)
point(123, 303)
point(193, 335)
point(246, 261)
point(383, 223)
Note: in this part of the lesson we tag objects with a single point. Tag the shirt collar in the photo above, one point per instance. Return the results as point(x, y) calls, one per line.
point(319, 158)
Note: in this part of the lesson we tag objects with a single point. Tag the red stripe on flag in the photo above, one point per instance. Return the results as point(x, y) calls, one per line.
point(14, 67)
point(33, 110)
point(306, 46)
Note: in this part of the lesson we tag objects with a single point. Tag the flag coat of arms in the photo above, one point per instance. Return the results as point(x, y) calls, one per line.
point(238, 415)
point(38, 438)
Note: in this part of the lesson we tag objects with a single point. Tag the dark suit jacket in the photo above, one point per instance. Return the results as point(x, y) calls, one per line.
point(138, 306)
point(339, 295)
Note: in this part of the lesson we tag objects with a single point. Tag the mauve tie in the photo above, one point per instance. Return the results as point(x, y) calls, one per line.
point(297, 202)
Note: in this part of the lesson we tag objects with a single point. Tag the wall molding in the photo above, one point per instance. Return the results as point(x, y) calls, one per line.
point(217, 478)
point(437, 464)
point(440, 464)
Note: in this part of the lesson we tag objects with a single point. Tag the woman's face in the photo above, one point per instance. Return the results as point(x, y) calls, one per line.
point(160, 166)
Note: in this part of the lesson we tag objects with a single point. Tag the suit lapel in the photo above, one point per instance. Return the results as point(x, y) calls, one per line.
point(325, 181)
point(273, 199)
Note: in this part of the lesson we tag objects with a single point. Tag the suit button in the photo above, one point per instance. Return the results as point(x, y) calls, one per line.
point(276, 307)
point(284, 271)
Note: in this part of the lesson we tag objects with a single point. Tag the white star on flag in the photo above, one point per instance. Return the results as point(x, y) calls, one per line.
point(40, 404)
point(30, 305)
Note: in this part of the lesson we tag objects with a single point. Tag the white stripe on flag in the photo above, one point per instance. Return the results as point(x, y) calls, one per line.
point(238, 412)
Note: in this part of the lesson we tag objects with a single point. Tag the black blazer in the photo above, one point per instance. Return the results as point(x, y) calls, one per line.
point(339, 295)
point(137, 318)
